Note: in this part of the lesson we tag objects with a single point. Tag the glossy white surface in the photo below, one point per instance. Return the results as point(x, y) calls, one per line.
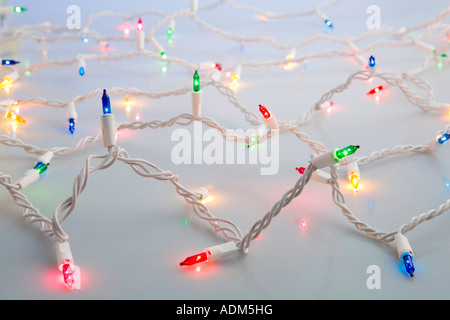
point(128, 234)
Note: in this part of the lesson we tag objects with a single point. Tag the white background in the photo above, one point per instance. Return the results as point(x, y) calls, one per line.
point(128, 234)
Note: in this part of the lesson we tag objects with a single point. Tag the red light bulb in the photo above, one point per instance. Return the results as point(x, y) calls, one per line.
point(266, 114)
point(375, 90)
point(201, 257)
point(300, 170)
point(140, 26)
point(67, 271)
point(303, 224)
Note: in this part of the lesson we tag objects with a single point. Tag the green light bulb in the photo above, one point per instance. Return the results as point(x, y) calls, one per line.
point(196, 82)
point(18, 9)
point(42, 167)
point(169, 32)
point(342, 153)
point(163, 55)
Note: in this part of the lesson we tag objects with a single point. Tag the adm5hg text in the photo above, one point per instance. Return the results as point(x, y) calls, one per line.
point(231, 309)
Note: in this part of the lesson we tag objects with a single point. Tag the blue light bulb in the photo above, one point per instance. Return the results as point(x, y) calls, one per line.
point(371, 62)
point(409, 265)
point(71, 125)
point(38, 164)
point(106, 103)
point(328, 23)
point(81, 71)
point(8, 62)
point(443, 138)
point(85, 39)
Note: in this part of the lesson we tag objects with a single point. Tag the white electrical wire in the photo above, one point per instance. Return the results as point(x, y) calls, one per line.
point(423, 98)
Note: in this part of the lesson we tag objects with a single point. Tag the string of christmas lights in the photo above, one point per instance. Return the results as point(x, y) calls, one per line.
point(224, 79)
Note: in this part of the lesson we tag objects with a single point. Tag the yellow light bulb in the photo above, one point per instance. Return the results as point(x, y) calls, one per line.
point(208, 199)
point(14, 117)
point(354, 180)
point(5, 82)
point(234, 81)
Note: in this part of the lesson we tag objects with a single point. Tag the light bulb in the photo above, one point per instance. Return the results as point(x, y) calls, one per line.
point(106, 104)
point(339, 154)
point(266, 114)
point(71, 125)
point(371, 62)
point(5, 82)
point(19, 9)
point(14, 117)
point(67, 271)
point(41, 167)
point(375, 90)
point(196, 82)
point(443, 138)
point(300, 170)
point(354, 180)
point(409, 265)
point(8, 62)
point(201, 257)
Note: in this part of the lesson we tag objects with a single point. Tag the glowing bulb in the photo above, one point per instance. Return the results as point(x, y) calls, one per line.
point(208, 199)
point(266, 114)
point(19, 9)
point(342, 153)
point(140, 26)
point(8, 62)
point(408, 262)
point(127, 104)
point(67, 271)
point(85, 40)
point(41, 168)
point(375, 90)
point(169, 32)
point(163, 55)
point(196, 82)
point(253, 142)
point(300, 170)
point(303, 224)
point(71, 125)
point(201, 257)
point(290, 56)
point(14, 117)
point(235, 77)
point(106, 104)
point(354, 180)
point(126, 31)
point(371, 62)
point(5, 82)
point(217, 66)
point(328, 23)
point(443, 138)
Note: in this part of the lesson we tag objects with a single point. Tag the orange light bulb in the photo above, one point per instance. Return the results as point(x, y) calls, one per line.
point(14, 117)
point(354, 180)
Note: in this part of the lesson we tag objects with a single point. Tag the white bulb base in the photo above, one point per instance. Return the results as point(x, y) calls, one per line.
point(140, 40)
point(108, 130)
point(196, 99)
point(222, 250)
point(402, 245)
point(323, 160)
point(29, 177)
